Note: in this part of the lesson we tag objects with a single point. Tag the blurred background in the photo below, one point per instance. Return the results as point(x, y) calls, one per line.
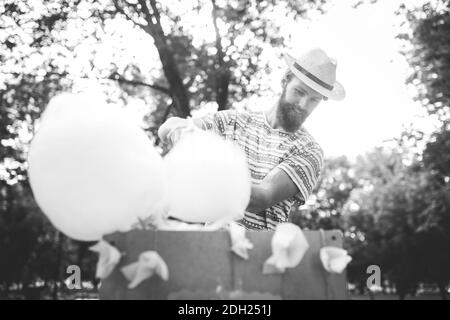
point(386, 178)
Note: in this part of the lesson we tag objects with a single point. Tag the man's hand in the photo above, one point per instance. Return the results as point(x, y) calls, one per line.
point(168, 127)
point(174, 128)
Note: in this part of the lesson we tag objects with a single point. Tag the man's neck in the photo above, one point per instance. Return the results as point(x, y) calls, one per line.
point(271, 116)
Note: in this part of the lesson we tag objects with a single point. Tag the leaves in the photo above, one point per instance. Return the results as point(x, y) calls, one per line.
point(428, 53)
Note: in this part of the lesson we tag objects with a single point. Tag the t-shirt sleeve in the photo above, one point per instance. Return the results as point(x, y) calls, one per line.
point(221, 122)
point(304, 166)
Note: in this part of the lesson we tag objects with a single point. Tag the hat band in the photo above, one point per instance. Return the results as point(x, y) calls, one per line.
point(313, 77)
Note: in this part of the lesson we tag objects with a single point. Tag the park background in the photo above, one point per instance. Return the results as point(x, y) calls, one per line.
point(387, 170)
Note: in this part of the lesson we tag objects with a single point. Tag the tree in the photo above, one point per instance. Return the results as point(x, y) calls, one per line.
point(28, 241)
point(393, 216)
point(427, 51)
point(325, 207)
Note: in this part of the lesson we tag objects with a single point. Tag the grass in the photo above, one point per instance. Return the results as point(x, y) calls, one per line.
point(380, 296)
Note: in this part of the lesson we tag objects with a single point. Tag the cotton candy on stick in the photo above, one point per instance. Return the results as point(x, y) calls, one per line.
point(289, 245)
point(207, 179)
point(92, 169)
point(334, 259)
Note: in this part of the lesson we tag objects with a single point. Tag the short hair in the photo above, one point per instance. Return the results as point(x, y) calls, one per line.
point(288, 75)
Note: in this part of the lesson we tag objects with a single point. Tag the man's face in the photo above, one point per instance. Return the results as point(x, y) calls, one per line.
point(296, 103)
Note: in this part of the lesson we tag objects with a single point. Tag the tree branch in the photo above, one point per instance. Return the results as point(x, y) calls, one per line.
point(155, 11)
point(222, 74)
point(121, 79)
point(220, 53)
point(121, 11)
point(189, 83)
point(179, 93)
point(148, 14)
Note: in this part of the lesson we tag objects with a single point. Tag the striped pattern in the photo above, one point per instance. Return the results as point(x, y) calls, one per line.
point(297, 154)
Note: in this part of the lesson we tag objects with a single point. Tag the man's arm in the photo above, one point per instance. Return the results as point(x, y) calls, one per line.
point(221, 122)
point(275, 187)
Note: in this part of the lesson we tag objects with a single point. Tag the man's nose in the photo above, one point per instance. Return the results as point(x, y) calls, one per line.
point(302, 102)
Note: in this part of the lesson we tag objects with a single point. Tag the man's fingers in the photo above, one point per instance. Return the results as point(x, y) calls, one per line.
point(178, 133)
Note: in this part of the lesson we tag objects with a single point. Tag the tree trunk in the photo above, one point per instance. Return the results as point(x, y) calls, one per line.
point(223, 74)
point(58, 265)
point(442, 290)
point(402, 289)
point(5, 293)
point(222, 84)
point(179, 93)
point(361, 288)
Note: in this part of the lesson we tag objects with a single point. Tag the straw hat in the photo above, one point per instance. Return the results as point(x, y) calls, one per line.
point(318, 71)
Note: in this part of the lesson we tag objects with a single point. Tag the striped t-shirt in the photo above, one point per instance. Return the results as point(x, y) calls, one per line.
point(297, 154)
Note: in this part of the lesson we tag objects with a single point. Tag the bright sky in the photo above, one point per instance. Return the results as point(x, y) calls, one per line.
point(373, 72)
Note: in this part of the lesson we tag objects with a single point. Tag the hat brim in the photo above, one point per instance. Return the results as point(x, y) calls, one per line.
point(338, 92)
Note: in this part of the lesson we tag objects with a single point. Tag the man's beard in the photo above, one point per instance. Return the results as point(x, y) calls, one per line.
point(288, 115)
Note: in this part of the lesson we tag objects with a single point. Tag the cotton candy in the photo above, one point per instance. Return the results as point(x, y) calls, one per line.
point(289, 245)
point(92, 170)
point(208, 179)
point(148, 264)
point(108, 258)
point(240, 244)
point(334, 260)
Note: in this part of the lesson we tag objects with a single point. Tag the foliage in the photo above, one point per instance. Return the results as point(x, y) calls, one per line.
point(49, 46)
point(426, 50)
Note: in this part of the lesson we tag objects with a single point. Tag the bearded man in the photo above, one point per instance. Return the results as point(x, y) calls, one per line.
point(284, 159)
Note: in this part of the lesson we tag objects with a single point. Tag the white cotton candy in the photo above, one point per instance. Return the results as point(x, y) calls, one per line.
point(334, 260)
point(240, 244)
point(108, 258)
point(207, 178)
point(148, 264)
point(92, 169)
point(289, 245)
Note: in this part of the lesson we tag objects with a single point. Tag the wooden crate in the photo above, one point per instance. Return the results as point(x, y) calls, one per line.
point(201, 266)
